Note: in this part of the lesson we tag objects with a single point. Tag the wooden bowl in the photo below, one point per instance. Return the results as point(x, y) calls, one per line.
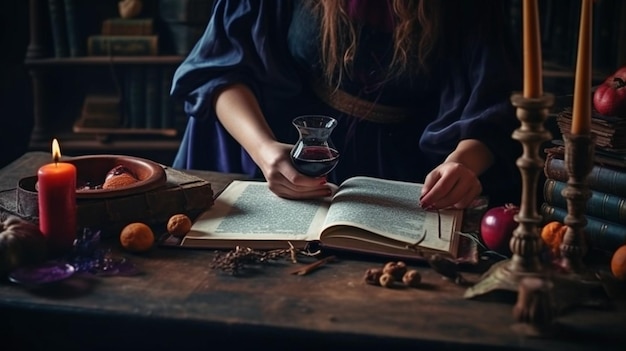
point(94, 168)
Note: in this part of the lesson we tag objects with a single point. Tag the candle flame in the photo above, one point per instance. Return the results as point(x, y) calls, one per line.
point(56, 151)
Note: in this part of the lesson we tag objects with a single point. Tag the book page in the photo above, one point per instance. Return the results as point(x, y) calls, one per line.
point(391, 209)
point(248, 210)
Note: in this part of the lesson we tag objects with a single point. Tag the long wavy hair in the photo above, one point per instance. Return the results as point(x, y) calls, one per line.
point(423, 30)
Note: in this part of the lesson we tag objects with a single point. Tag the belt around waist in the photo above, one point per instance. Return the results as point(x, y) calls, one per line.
point(354, 106)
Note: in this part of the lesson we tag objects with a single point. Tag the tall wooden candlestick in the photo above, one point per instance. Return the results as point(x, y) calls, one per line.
point(526, 241)
point(579, 146)
point(532, 111)
point(579, 150)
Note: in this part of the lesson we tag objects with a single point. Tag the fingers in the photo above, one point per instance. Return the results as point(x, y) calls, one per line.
point(283, 179)
point(460, 195)
point(300, 187)
point(451, 185)
point(289, 193)
point(286, 182)
point(431, 179)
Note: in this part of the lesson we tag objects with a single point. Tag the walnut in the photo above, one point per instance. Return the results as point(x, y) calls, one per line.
point(372, 276)
point(386, 280)
point(179, 225)
point(412, 278)
point(396, 269)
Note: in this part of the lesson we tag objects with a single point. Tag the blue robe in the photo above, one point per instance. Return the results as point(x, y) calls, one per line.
point(272, 47)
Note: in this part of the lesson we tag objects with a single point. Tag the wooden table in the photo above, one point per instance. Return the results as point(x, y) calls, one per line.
point(179, 302)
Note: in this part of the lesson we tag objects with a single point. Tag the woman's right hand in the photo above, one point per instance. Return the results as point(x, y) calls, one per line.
point(239, 111)
point(283, 179)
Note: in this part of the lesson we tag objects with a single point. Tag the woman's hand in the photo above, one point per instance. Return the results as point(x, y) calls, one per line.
point(283, 179)
point(450, 185)
point(239, 111)
point(454, 183)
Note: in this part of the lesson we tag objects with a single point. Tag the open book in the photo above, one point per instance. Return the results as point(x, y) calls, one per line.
point(366, 215)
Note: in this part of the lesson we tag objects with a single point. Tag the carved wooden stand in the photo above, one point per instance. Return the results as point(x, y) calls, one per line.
point(526, 241)
point(579, 150)
point(573, 283)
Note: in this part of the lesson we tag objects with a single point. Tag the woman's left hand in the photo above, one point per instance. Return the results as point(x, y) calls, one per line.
point(450, 185)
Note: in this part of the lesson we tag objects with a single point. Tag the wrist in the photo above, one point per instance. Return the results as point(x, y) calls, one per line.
point(459, 163)
point(472, 155)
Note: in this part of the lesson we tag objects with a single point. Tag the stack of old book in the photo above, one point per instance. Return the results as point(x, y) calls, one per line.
point(100, 110)
point(72, 21)
point(182, 22)
point(605, 209)
point(113, 109)
point(125, 37)
point(141, 100)
point(609, 131)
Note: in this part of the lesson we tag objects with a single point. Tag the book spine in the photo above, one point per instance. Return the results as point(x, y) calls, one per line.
point(194, 11)
point(601, 178)
point(106, 106)
point(572, 29)
point(182, 23)
point(601, 205)
point(107, 45)
point(167, 105)
point(126, 97)
point(602, 40)
point(182, 36)
point(180, 116)
point(621, 32)
point(100, 111)
point(604, 235)
point(131, 27)
point(75, 43)
point(152, 82)
point(58, 29)
point(137, 97)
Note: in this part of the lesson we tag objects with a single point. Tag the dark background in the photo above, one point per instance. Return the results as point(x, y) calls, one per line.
point(16, 106)
point(559, 27)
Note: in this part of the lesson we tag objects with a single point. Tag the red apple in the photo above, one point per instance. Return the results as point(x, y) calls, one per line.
point(497, 226)
point(609, 99)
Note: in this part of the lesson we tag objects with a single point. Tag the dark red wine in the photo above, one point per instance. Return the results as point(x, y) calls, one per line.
point(315, 161)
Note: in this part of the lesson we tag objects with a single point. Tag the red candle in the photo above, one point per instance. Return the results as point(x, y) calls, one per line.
point(56, 186)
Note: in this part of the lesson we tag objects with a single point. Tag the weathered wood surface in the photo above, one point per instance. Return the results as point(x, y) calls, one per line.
point(179, 301)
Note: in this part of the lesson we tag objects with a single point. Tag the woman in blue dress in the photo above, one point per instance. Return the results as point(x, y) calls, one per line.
point(420, 88)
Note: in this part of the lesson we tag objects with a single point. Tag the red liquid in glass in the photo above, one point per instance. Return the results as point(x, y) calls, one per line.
point(315, 161)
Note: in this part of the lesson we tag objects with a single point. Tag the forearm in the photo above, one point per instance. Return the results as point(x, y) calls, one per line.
point(472, 154)
point(238, 110)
